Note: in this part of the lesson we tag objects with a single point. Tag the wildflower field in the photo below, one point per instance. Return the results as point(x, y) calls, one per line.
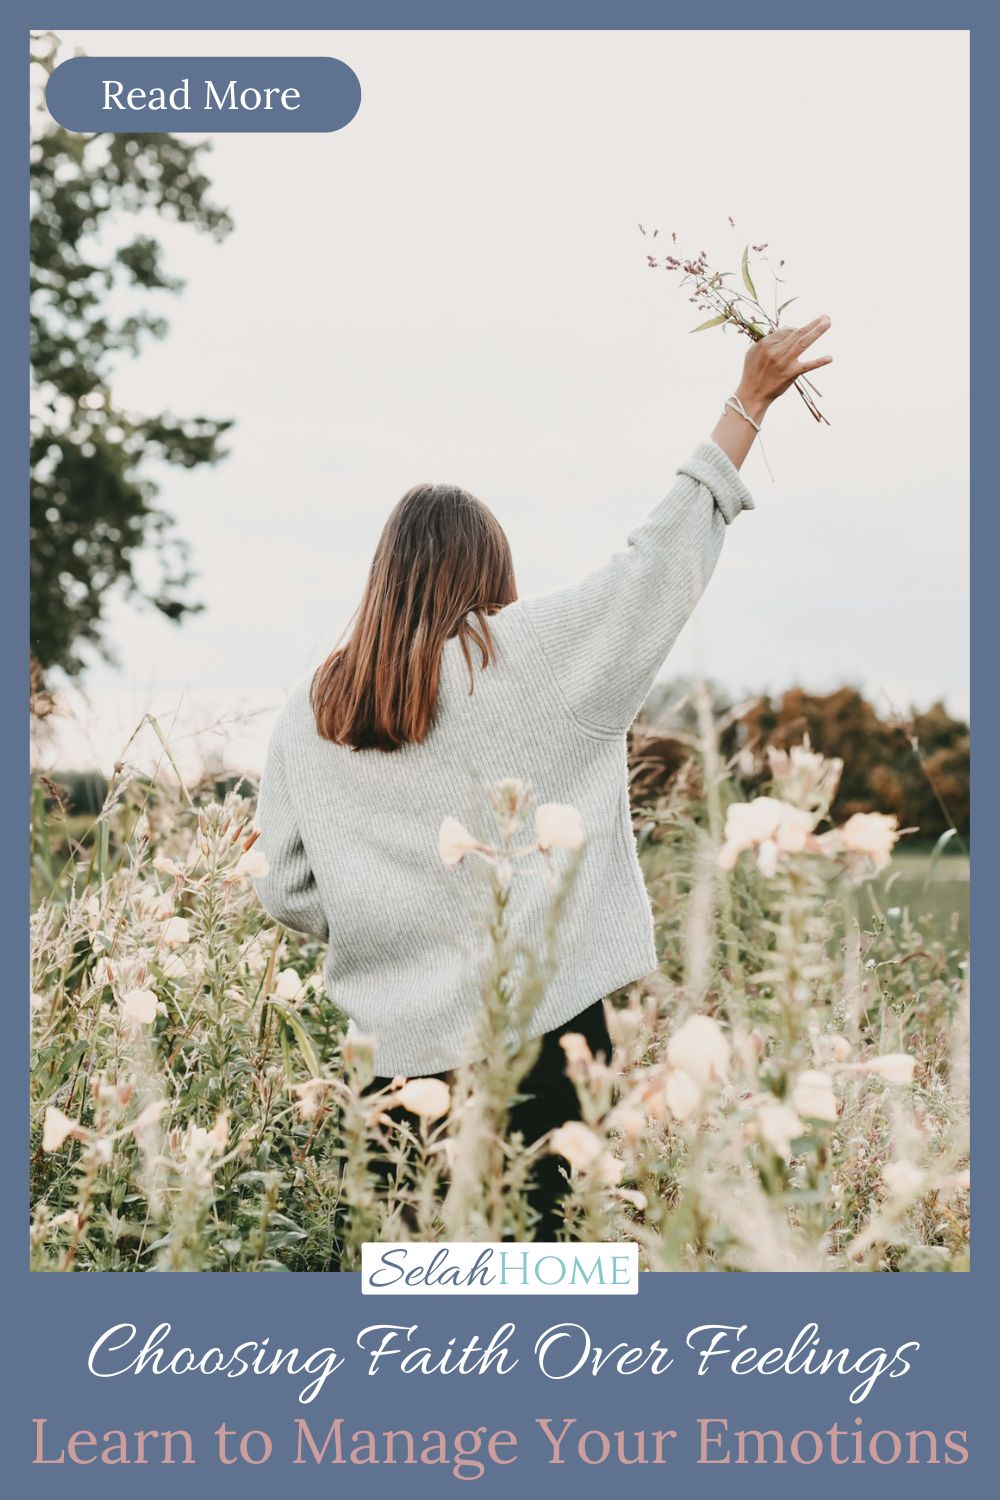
point(787, 1093)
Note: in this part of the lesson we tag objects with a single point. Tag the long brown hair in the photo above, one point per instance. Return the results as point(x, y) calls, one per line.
point(441, 567)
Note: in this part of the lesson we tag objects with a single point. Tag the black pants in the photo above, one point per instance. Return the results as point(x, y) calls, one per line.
point(549, 1100)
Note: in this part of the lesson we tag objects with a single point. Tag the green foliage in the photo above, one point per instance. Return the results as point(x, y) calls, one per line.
point(93, 498)
point(196, 1104)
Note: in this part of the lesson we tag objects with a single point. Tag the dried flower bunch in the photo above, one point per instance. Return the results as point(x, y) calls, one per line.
point(730, 303)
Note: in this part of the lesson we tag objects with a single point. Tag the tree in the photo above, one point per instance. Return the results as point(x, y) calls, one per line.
point(916, 767)
point(93, 499)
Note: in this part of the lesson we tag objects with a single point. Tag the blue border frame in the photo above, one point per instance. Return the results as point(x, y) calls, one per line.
point(54, 1319)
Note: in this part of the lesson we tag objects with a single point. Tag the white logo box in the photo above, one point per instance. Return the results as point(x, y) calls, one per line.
point(494, 1269)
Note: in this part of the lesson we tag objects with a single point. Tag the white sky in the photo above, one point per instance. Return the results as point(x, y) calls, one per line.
point(454, 287)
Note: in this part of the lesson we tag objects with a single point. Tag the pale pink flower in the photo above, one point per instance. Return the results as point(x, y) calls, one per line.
point(874, 834)
point(174, 966)
point(455, 841)
point(287, 985)
point(580, 1145)
point(57, 1128)
point(150, 1115)
point(140, 1006)
point(252, 865)
point(310, 1094)
point(558, 826)
point(576, 1048)
point(768, 827)
point(813, 1096)
point(175, 931)
point(902, 1178)
point(430, 1098)
point(681, 1094)
point(200, 1143)
point(894, 1067)
point(778, 1126)
point(700, 1047)
point(867, 838)
point(634, 1197)
point(608, 1170)
point(804, 777)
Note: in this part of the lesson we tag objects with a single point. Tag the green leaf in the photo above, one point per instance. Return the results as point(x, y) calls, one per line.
point(712, 322)
point(939, 848)
point(786, 304)
point(297, 1026)
point(745, 268)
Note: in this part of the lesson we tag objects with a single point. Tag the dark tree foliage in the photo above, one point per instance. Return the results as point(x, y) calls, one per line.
point(93, 500)
point(917, 767)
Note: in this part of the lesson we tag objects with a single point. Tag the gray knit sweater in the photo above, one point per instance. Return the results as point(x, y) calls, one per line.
point(351, 836)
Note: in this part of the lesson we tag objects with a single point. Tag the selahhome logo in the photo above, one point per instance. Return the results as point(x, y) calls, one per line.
point(496, 1269)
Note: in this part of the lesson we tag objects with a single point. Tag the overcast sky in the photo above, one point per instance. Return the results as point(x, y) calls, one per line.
point(454, 288)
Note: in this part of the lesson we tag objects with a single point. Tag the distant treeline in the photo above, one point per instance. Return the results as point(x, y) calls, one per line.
point(915, 767)
point(83, 793)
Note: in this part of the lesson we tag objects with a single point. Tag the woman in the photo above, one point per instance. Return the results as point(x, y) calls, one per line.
point(448, 684)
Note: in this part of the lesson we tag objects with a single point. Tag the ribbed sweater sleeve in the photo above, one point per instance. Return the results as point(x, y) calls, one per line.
point(288, 890)
point(606, 638)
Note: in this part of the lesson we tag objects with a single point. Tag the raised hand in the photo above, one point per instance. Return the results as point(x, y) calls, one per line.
point(776, 362)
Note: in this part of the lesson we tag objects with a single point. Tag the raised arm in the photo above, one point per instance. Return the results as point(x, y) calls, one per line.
point(607, 637)
point(288, 890)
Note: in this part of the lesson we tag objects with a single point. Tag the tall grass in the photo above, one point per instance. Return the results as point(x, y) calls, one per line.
point(788, 1092)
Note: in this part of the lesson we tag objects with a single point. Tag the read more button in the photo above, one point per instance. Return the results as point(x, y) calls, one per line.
point(494, 1268)
point(210, 94)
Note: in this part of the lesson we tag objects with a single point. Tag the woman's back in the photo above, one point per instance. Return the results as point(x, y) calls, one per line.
point(351, 835)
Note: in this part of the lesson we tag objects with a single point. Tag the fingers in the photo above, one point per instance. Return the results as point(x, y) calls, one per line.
point(814, 364)
point(810, 333)
point(801, 338)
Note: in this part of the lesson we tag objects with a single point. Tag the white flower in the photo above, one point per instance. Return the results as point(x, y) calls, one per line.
point(813, 1096)
point(201, 1144)
point(288, 985)
point(902, 1178)
point(608, 1170)
point(103, 973)
point(701, 1049)
point(175, 931)
point(872, 834)
point(636, 1199)
point(767, 826)
point(576, 1048)
point(894, 1067)
point(56, 1128)
point(174, 966)
point(778, 1126)
point(558, 826)
point(429, 1098)
point(140, 1006)
point(310, 1094)
point(681, 1094)
point(629, 1120)
point(150, 1115)
point(252, 865)
point(455, 841)
point(803, 776)
point(577, 1143)
point(840, 1047)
